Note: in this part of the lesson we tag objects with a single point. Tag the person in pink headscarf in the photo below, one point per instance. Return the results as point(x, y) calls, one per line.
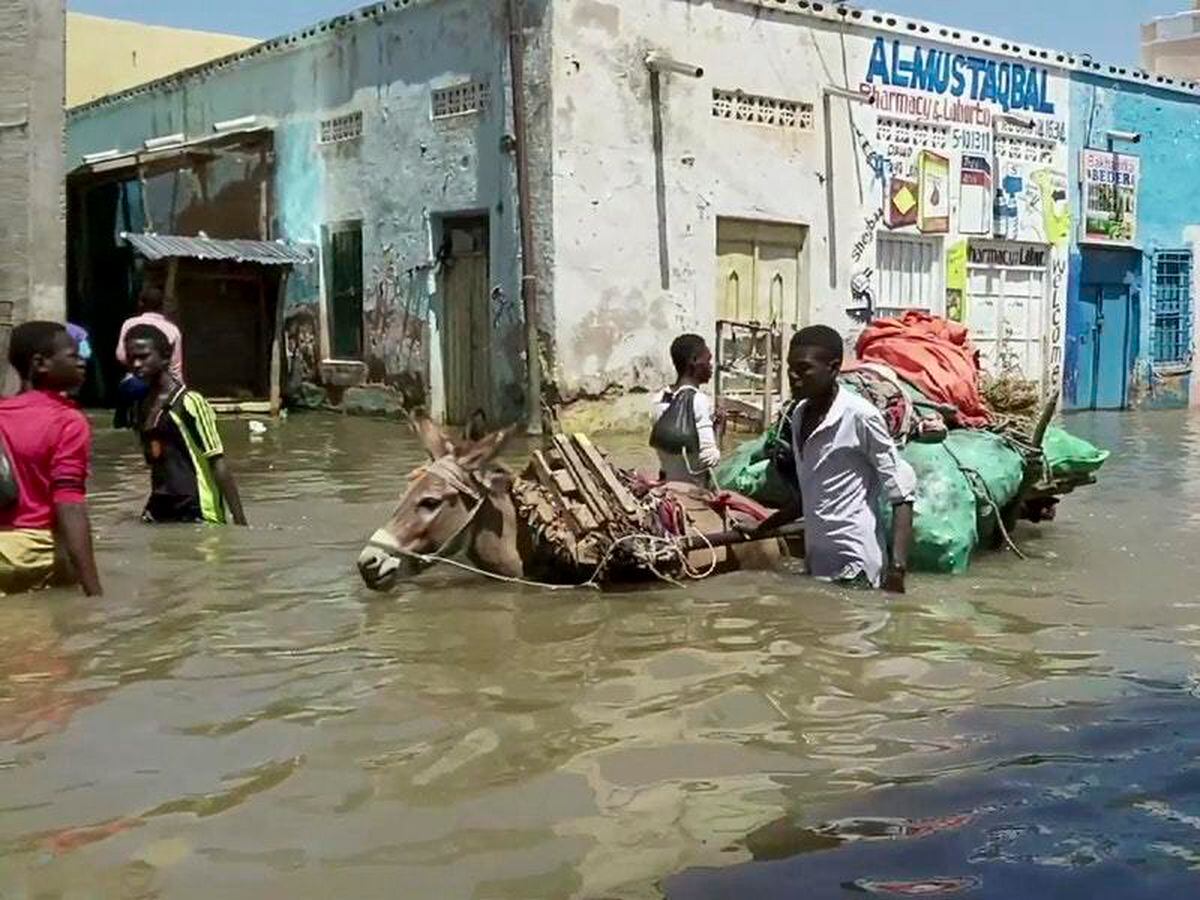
point(132, 389)
point(151, 305)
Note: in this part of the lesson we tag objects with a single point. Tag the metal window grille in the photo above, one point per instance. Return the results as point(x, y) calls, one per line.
point(1024, 149)
point(460, 99)
point(341, 128)
point(907, 133)
point(909, 273)
point(1171, 306)
point(737, 106)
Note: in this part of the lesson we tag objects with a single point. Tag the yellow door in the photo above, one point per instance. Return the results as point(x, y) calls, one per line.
point(778, 284)
point(761, 299)
point(759, 273)
point(735, 281)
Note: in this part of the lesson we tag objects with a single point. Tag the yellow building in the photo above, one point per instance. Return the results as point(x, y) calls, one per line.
point(109, 55)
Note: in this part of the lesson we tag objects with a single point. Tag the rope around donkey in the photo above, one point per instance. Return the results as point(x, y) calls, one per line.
point(671, 544)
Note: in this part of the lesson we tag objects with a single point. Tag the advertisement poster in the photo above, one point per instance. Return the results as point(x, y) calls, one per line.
point(1110, 188)
point(902, 203)
point(956, 281)
point(975, 196)
point(933, 214)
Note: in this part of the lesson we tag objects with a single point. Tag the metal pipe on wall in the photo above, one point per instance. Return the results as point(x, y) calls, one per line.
point(828, 92)
point(659, 64)
point(529, 281)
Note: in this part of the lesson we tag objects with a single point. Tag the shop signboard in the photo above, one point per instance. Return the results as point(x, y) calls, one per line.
point(1110, 192)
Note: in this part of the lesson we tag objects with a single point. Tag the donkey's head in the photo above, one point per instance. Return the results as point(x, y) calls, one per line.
point(441, 508)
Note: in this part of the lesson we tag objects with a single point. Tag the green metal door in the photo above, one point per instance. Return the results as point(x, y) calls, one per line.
point(346, 292)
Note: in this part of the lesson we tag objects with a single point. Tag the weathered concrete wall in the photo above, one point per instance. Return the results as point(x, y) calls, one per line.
point(403, 174)
point(1167, 218)
point(615, 316)
point(31, 161)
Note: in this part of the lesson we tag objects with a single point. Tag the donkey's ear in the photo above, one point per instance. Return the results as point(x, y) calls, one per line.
point(497, 479)
point(432, 438)
point(476, 429)
point(483, 451)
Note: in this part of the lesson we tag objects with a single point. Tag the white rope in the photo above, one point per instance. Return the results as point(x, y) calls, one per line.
point(671, 545)
point(987, 498)
point(450, 471)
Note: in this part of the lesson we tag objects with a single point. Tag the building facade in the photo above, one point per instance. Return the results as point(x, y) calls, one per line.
point(1135, 153)
point(31, 163)
point(855, 164)
point(1171, 44)
point(382, 139)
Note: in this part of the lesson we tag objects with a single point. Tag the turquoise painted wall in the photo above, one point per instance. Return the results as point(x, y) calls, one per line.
point(405, 171)
point(1168, 217)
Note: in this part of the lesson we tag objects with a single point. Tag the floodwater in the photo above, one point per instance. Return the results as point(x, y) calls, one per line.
point(239, 717)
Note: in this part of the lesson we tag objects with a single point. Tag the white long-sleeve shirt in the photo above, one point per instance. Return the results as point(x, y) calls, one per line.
point(673, 466)
point(848, 465)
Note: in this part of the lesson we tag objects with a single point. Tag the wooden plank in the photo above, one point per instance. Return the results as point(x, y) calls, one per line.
point(564, 481)
point(730, 538)
point(170, 300)
point(542, 472)
point(277, 347)
point(587, 487)
point(545, 477)
point(584, 517)
point(601, 468)
point(551, 472)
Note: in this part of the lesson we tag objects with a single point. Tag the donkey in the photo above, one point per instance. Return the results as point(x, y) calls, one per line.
point(461, 502)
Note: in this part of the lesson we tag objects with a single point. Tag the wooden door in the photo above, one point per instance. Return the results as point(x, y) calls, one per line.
point(221, 317)
point(760, 283)
point(735, 280)
point(759, 272)
point(467, 335)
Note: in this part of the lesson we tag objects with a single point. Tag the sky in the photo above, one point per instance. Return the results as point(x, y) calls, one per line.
point(1107, 29)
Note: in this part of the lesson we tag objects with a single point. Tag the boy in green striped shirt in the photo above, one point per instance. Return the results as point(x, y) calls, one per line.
point(190, 480)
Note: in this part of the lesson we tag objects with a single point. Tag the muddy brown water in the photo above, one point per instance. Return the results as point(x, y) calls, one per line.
point(239, 717)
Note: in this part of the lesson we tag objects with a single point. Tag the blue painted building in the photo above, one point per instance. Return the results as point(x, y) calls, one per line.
point(1131, 310)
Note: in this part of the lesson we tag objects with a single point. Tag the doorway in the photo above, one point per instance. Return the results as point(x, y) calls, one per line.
point(1104, 346)
point(762, 297)
point(344, 255)
point(1007, 307)
point(227, 314)
point(1105, 329)
point(467, 330)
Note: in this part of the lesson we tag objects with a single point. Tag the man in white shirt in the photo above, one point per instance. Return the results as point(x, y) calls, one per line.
point(847, 466)
point(694, 367)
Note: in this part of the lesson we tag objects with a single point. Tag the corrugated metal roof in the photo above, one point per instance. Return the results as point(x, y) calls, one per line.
point(264, 253)
point(110, 161)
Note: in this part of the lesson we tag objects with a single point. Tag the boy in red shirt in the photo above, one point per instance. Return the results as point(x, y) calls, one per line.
point(48, 444)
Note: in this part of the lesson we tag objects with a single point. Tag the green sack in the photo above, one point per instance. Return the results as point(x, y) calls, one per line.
point(748, 472)
point(1071, 458)
point(995, 471)
point(951, 514)
point(945, 527)
point(738, 472)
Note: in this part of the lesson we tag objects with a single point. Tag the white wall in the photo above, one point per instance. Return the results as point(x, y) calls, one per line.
point(614, 320)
